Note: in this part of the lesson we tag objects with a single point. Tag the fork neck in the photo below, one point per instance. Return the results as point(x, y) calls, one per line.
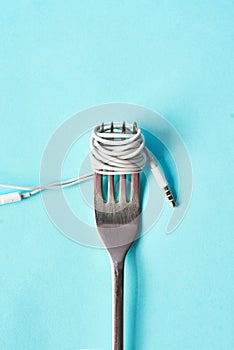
point(118, 254)
point(118, 298)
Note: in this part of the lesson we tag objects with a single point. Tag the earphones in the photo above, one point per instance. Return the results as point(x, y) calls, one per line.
point(115, 149)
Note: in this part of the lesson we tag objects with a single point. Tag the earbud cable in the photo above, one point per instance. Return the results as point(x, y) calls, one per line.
point(115, 150)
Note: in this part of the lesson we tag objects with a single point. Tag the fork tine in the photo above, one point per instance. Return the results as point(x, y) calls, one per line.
point(98, 186)
point(124, 127)
point(111, 198)
point(134, 127)
point(122, 188)
point(112, 127)
point(135, 187)
point(102, 127)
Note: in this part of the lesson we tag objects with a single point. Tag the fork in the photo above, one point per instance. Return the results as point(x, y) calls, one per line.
point(117, 223)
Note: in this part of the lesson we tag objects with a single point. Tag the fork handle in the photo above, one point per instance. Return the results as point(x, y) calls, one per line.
point(118, 303)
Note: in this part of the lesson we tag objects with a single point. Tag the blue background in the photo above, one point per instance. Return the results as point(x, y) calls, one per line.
point(176, 57)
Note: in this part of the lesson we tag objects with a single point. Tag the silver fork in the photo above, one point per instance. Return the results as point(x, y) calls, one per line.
point(117, 223)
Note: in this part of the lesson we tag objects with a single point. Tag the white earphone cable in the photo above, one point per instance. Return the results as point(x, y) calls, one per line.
point(115, 150)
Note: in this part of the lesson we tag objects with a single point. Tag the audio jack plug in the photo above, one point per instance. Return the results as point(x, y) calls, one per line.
point(159, 176)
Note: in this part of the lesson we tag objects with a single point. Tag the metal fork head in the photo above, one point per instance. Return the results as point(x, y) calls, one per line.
point(117, 220)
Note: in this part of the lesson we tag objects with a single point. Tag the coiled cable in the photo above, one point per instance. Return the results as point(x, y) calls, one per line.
point(117, 150)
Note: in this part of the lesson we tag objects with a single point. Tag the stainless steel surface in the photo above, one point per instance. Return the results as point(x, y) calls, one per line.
point(117, 223)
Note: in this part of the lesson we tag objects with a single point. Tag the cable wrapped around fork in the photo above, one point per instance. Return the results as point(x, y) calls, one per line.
point(117, 149)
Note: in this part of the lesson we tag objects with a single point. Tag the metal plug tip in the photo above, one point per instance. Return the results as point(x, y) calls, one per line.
point(169, 196)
